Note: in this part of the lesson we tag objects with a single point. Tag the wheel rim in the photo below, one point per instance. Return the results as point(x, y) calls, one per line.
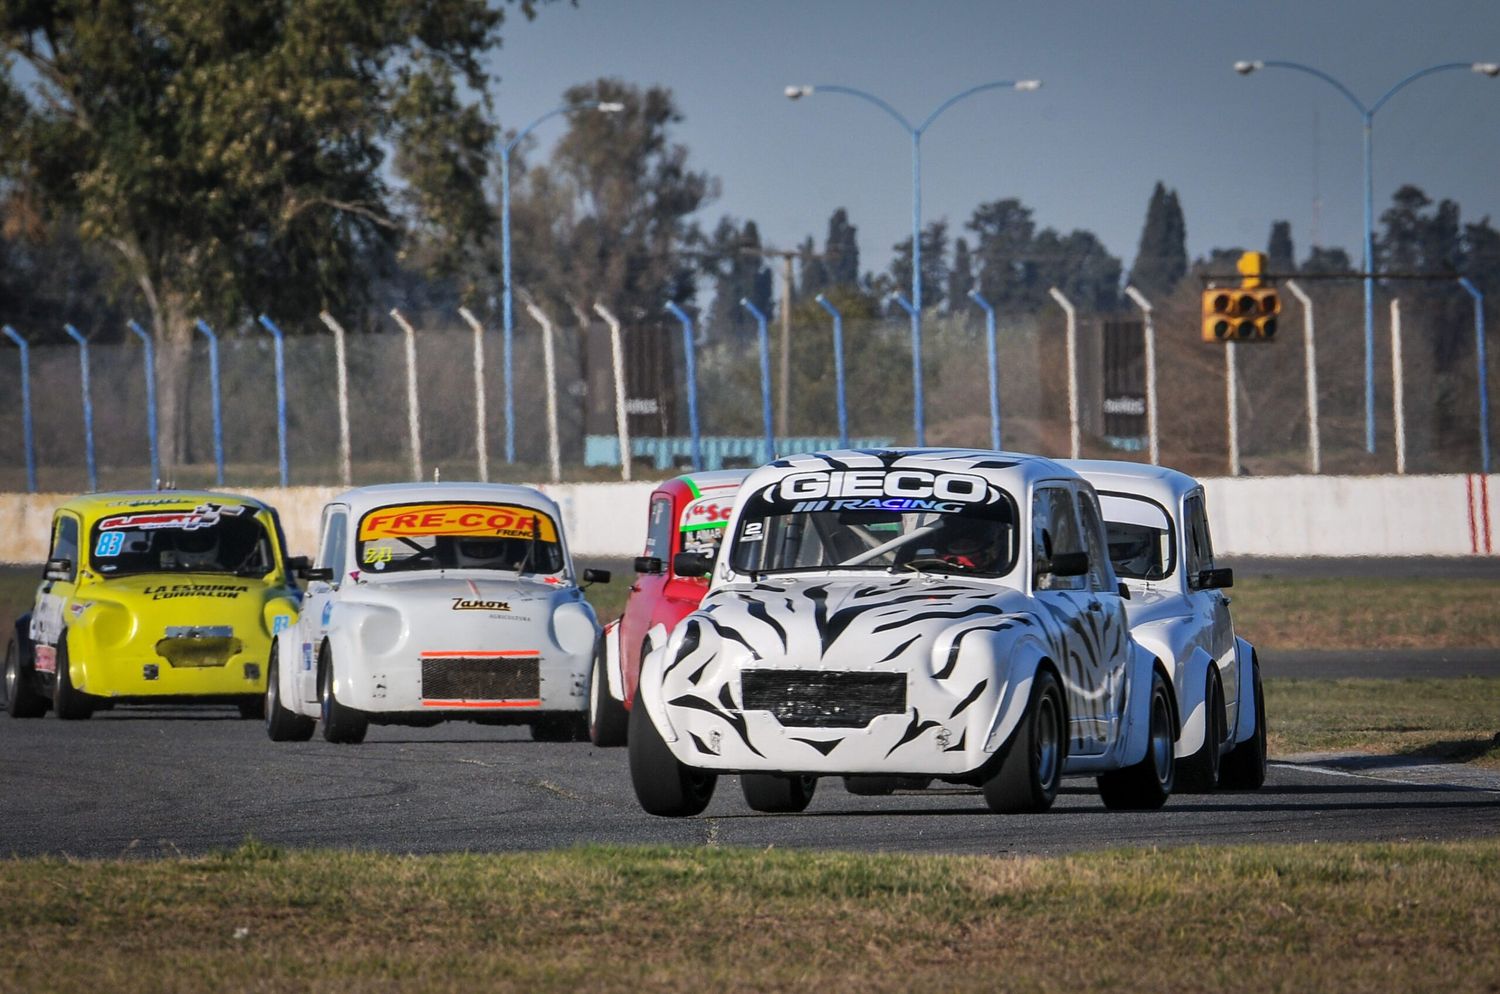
point(1161, 739)
point(272, 697)
point(1045, 747)
point(594, 693)
point(326, 696)
point(12, 675)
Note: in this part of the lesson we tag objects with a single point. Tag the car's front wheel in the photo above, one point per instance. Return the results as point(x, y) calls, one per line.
point(341, 724)
point(778, 793)
point(608, 719)
point(282, 725)
point(663, 785)
point(1245, 766)
point(1199, 773)
point(1029, 775)
point(21, 698)
point(1146, 785)
point(68, 702)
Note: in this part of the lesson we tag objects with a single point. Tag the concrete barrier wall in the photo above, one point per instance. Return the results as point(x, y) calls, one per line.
point(1269, 516)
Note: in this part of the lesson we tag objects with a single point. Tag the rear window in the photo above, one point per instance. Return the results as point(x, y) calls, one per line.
point(207, 538)
point(436, 536)
point(1142, 544)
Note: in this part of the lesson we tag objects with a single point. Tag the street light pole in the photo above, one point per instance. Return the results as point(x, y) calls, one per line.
point(1367, 115)
point(605, 107)
point(915, 131)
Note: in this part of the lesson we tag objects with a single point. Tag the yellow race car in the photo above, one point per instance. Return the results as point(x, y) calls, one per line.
point(153, 596)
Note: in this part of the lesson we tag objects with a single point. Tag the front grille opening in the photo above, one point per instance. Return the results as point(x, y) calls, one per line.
point(816, 699)
point(469, 678)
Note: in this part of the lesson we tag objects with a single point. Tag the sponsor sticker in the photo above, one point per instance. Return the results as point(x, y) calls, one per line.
point(327, 612)
point(707, 512)
point(171, 591)
point(280, 623)
point(203, 516)
point(487, 520)
point(881, 490)
point(45, 657)
point(475, 604)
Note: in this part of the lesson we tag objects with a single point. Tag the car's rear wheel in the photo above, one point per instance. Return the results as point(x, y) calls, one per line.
point(1245, 766)
point(1030, 772)
point(778, 793)
point(1199, 773)
point(21, 698)
point(1146, 785)
point(282, 725)
point(68, 702)
point(663, 785)
point(608, 719)
point(341, 724)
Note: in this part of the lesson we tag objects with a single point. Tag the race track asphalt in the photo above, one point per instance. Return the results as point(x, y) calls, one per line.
point(146, 782)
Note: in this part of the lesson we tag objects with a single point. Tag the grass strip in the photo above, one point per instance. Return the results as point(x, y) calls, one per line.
point(1405, 917)
point(1455, 720)
point(1367, 613)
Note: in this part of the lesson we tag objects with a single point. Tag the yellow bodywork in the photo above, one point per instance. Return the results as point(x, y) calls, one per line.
point(174, 634)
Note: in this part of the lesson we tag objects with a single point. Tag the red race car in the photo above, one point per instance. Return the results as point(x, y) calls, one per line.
point(687, 515)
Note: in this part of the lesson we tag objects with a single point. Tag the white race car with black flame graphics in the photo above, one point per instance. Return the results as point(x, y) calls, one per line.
point(1159, 542)
point(923, 613)
point(431, 602)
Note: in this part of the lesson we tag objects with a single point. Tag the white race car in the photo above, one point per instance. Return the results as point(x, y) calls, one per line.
point(434, 601)
point(911, 613)
point(1159, 540)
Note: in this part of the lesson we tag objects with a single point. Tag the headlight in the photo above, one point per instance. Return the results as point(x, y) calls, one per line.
point(574, 628)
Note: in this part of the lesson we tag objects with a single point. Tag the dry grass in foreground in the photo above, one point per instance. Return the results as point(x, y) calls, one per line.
point(1454, 720)
point(1377, 918)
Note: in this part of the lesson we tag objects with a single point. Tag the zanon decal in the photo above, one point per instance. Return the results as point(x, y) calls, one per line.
point(466, 604)
point(878, 489)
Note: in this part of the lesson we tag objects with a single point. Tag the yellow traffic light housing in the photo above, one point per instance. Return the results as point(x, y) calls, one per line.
point(1246, 313)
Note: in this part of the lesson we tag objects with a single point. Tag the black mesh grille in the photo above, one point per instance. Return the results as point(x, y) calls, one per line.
point(812, 699)
point(466, 678)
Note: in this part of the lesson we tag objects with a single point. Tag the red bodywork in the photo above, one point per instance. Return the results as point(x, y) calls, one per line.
point(680, 510)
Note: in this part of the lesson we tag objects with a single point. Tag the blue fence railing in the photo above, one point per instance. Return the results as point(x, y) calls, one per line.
point(718, 451)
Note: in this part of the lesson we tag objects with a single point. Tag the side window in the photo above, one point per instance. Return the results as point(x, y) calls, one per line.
point(1101, 573)
point(659, 529)
point(1199, 550)
point(65, 542)
point(332, 550)
point(1054, 530)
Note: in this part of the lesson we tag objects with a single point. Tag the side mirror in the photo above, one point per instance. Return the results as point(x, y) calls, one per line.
point(1065, 564)
point(320, 573)
point(1215, 579)
point(649, 564)
point(58, 569)
point(691, 565)
point(297, 565)
point(596, 576)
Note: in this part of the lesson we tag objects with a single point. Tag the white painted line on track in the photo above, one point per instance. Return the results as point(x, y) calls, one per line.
point(1449, 776)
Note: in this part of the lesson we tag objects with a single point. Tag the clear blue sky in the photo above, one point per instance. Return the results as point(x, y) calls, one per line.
point(1134, 91)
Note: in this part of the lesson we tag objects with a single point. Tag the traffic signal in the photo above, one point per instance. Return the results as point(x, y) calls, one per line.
point(1246, 313)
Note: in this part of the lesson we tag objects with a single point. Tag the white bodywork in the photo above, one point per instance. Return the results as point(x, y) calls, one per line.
point(847, 670)
point(1185, 625)
point(449, 642)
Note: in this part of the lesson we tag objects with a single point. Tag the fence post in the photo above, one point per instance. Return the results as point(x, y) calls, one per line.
point(1310, 361)
point(549, 364)
point(918, 414)
point(270, 326)
point(838, 369)
point(481, 436)
point(149, 361)
point(1481, 366)
point(1398, 386)
point(1232, 407)
point(88, 405)
point(617, 360)
point(1072, 338)
point(765, 376)
point(342, 369)
point(1152, 432)
point(15, 336)
point(990, 356)
point(413, 410)
point(692, 380)
point(213, 378)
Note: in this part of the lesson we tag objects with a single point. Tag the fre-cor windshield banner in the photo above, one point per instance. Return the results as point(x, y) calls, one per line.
point(423, 520)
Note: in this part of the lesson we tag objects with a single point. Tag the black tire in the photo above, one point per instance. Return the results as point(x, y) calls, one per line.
point(609, 722)
point(870, 786)
point(1031, 768)
point(663, 785)
point(1147, 785)
point(21, 698)
point(342, 725)
point(69, 703)
point(1199, 773)
point(560, 728)
point(282, 725)
point(778, 793)
point(1245, 766)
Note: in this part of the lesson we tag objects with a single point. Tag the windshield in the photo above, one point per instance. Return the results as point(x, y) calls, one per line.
point(898, 520)
point(208, 538)
point(1141, 543)
point(459, 536)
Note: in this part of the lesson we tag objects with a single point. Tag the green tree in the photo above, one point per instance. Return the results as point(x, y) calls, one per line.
point(1326, 261)
point(732, 260)
point(812, 271)
point(841, 251)
point(1079, 266)
point(1281, 256)
point(934, 264)
point(1161, 259)
point(1004, 232)
point(960, 275)
point(234, 152)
